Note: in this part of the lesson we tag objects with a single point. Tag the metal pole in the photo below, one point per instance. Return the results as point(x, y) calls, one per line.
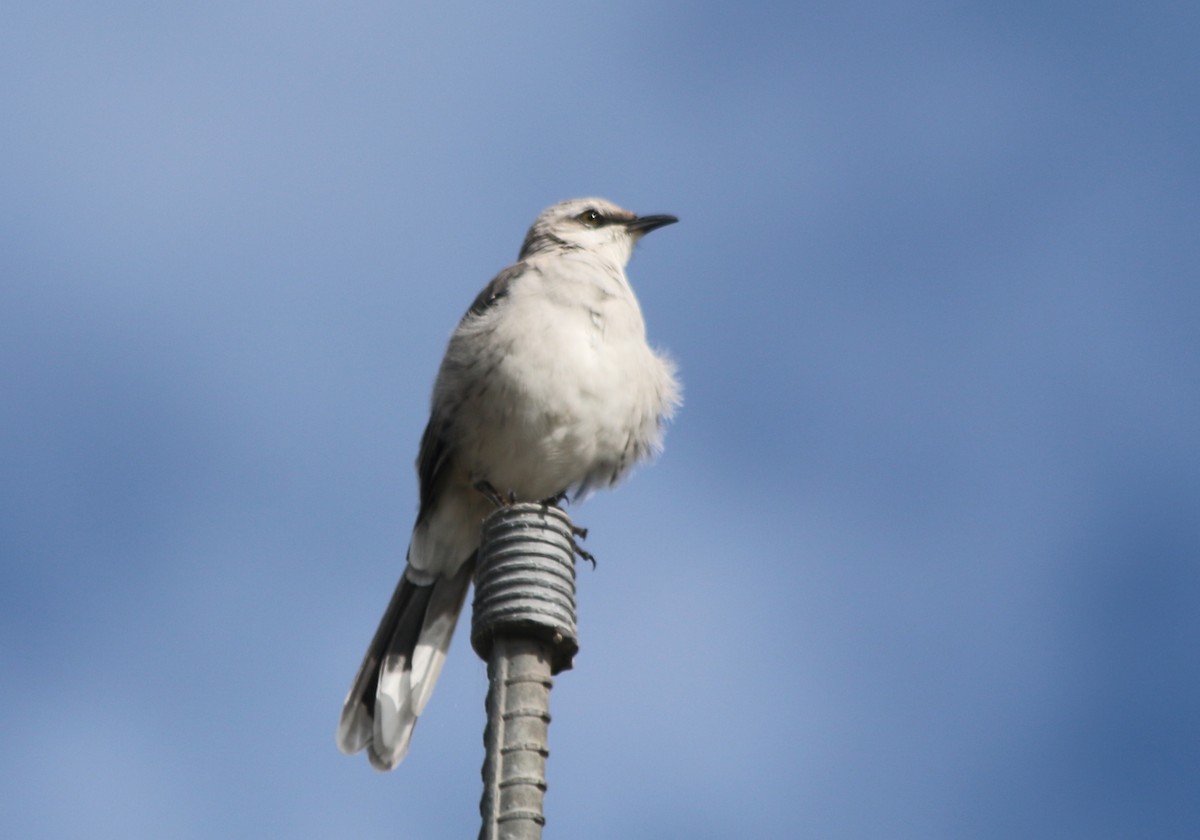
point(523, 625)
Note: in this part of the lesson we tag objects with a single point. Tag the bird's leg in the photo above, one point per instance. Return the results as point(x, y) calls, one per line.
point(485, 487)
point(554, 501)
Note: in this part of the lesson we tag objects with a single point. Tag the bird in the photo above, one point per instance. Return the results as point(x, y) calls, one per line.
point(548, 390)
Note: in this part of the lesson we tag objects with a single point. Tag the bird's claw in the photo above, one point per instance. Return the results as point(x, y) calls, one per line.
point(554, 501)
point(577, 534)
point(583, 553)
point(485, 487)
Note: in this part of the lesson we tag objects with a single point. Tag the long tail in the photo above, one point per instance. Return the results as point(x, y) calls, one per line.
point(402, 664)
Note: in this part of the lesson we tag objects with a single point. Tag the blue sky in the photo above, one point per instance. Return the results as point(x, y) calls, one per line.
point(921, 558)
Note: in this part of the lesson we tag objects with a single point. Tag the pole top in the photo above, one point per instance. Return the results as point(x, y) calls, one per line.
point(525, 581)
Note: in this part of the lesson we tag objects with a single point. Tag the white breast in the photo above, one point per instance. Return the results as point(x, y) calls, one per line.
point(564, 390)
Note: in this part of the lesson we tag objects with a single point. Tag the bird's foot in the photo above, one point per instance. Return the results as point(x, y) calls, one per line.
point(578, 534)
point(556, 500)
point(485, 487)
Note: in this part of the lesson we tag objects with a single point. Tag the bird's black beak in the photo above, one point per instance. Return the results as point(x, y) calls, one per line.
point(644, 224)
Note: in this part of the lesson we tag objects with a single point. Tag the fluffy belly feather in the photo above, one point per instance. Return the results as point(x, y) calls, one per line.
point(560, 414)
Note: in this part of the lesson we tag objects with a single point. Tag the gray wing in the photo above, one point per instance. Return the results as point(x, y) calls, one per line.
point(431, 464)
point(435, 452)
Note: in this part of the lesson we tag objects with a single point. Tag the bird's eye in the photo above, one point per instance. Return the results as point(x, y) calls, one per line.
point(591, 217)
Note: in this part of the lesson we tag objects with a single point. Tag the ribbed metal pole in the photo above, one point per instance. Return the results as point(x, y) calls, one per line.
point(523, 625)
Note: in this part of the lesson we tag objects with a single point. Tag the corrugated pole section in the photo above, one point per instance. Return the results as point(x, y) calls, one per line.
point(523, 626)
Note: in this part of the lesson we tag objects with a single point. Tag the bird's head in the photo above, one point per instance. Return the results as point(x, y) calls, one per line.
point(593, 225)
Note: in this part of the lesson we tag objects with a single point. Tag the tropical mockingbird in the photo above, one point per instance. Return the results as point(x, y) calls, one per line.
point(547, 388)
